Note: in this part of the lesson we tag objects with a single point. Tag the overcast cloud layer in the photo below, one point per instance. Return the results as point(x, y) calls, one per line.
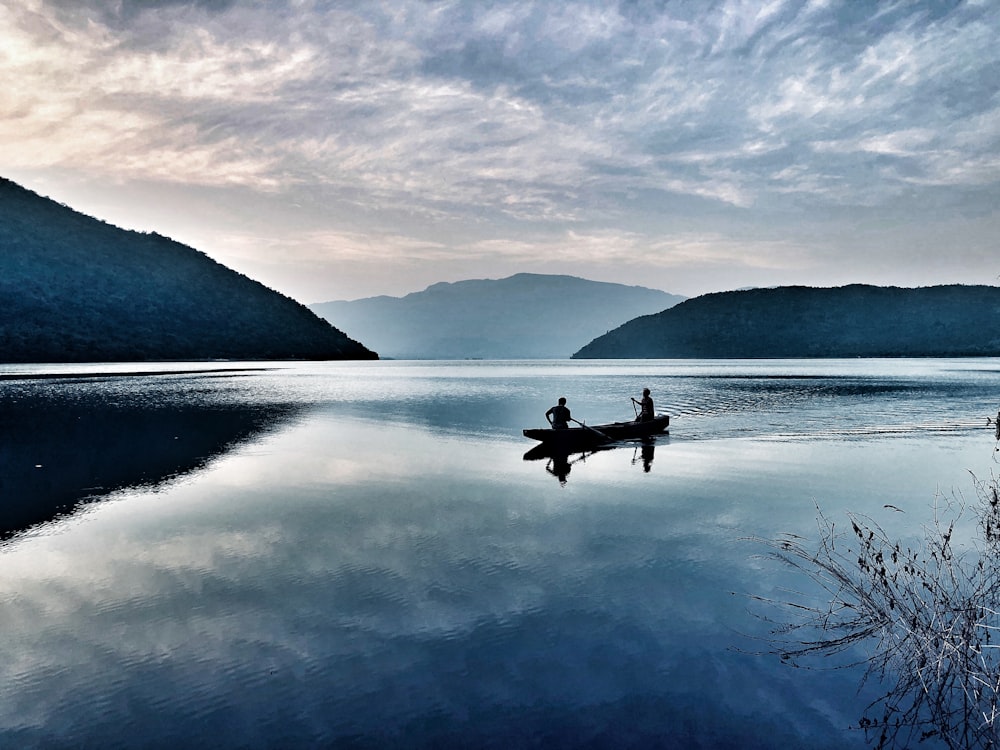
point(343, 149)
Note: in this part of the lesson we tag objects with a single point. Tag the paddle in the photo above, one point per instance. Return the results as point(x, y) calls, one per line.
point(605, 437)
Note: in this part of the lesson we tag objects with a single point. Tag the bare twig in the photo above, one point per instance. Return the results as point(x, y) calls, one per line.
point(930, 617)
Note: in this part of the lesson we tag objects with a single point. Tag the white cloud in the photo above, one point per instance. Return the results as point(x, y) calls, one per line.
point(460, 123)
point(635, 249)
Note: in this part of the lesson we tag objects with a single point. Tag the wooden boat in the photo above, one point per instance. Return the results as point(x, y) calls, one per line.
point(589, 435)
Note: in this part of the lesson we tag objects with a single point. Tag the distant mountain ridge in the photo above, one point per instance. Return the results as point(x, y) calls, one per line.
point(75, 289)
point(850, 321)
point(525, 316)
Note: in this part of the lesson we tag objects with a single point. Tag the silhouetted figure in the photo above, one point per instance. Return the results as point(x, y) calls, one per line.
point(559, 416)
point(645, 407)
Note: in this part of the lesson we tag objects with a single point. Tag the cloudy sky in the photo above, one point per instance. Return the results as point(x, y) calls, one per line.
point(336, 149)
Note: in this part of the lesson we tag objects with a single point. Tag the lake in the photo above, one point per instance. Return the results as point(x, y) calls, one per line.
point(359, 554)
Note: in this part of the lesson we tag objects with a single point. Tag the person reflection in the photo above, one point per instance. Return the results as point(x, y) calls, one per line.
point(646, 456)
point(559, 466)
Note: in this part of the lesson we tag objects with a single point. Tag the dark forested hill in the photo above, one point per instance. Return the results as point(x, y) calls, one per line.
point(525, 316)
point(76, 289)
point(850, 321)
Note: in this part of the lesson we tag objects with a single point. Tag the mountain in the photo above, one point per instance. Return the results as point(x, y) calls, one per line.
point(526, 316)
point(76, 289)
point(849, 321)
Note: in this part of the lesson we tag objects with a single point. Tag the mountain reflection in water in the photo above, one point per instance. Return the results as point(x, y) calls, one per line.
point(63, 447)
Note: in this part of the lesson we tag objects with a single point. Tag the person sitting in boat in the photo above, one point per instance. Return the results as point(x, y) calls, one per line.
point(645, 407)
point(559, 415)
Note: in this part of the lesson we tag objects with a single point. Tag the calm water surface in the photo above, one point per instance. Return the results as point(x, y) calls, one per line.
point(359, 555)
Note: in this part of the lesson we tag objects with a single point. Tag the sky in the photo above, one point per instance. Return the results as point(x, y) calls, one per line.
point(335, 149)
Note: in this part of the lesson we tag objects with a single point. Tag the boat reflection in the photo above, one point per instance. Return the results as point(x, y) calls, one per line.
point(559, 463)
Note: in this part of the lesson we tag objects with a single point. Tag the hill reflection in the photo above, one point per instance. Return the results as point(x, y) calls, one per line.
point(57, 453)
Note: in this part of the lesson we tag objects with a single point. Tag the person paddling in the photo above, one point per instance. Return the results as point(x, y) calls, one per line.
point(559, 416)
point(645, 406)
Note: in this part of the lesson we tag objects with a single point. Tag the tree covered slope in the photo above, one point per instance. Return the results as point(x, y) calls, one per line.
point(525, 316)
point(849, 321)
point(76, 289)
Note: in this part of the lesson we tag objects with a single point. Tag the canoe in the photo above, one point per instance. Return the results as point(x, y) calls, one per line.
point(599, 434)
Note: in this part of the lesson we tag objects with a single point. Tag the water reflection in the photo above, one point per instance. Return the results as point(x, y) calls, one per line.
point(386, 570)
point(559, 463)
point(61, 447)
point(644, 454)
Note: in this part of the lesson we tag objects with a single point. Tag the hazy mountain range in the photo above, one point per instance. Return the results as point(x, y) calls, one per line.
point(75, 289)
point(526, 316)
point(849, 321)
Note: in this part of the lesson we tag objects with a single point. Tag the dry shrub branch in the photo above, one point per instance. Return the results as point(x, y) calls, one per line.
point(927, 617)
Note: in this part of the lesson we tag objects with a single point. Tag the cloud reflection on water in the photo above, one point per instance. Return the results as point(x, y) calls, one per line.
point(276, 602)
point(371, 573)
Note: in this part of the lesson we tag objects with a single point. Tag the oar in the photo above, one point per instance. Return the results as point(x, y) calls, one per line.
point(634, 402)
point(605, 437)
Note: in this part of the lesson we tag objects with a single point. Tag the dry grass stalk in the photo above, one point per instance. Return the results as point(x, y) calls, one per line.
point(928, 617)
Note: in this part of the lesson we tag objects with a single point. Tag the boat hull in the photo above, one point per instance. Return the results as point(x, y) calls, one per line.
point(574, 437)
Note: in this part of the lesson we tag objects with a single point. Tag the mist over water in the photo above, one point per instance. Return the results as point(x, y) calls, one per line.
point(359, 555)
